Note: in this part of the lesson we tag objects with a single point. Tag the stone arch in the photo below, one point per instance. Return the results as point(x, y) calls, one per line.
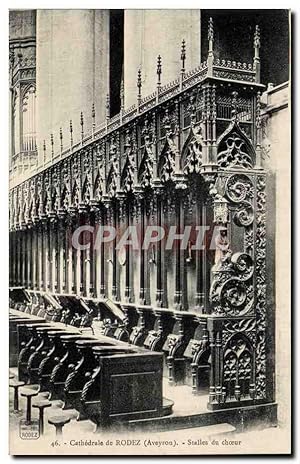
point(234, 149)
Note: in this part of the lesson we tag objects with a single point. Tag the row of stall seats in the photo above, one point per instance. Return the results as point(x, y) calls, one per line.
point(180, 336)
point(74, 348)
point(105, 380)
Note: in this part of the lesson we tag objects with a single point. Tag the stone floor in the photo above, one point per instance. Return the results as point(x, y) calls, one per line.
point(219, 439)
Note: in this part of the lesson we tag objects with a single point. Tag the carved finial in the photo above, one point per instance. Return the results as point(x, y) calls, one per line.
point(107, 106)
point(127, 143)
point(256, 43)
point(158, 70)
point(167, 122)
point(192, 109)
point(52, 145)
point(93, 117)
point(61, 139)
point(81, 123)
point(139, 84)
point(258, 110)
point(256, 60)
point(210, 56)
point(44, 150)
point(234, 105)
point(210, 30)
point(71, 132)
point(183, 57)
point(122, 94)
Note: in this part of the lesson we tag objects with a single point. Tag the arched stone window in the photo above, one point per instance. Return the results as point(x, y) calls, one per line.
point(28, 120)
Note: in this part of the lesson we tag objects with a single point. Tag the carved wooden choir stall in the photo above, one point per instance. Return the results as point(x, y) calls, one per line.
point(186, 158)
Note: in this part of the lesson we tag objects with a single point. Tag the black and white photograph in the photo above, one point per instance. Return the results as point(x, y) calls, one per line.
point(149, 231)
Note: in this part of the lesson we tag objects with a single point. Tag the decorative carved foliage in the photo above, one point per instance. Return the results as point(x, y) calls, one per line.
point(65, 199)
point(47, 194)
point(238, 368)
point(235, 149)
point(261, 296)
point(86, 161)
point(239, 188)
point(98, 187)
point(75, 199)
point(231, 290)
point(145, 172)
point(220, 210)
point(75, 169)
point(86, 191)
point(166, 164)
point(145, 175)
point(191, 160)
point(127, 176)
point(231, 327)
point(244, 216)
point(166, 167)
point(112, 185)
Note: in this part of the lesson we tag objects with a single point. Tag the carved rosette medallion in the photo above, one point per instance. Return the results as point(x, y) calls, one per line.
point(231, 292)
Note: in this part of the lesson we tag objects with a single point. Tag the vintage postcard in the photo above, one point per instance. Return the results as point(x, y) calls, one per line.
point(149, 201)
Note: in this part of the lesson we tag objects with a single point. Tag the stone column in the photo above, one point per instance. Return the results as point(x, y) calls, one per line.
point(34, 258)
point(13, 256)
point(54, 282)
point(199, 296)
point(69, 254)
point(179, 257)
point(142, 295)
point(10, 260)
point(101, 258)
point(159, 258)
point(48, 258)
point(73, 70)
point(115, 291)
point(91, 260)
point(61, 231)
point(149, 33)
point(29, 258)
point(97, 256)
point(40, 251)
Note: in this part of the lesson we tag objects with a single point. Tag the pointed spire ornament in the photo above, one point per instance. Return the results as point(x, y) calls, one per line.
point(71, 132)
point(44, 150)
point(159, 71)
point(139, 85)
point(210, 34)
point(183, 57)
point(210, 56)
point(61, 139)
point(234, 115)
point(122, 95)
point(256, 59)
point(256, 42)
point(93, 118)
point(52, 145)
point(107, 107)
point(81, 123)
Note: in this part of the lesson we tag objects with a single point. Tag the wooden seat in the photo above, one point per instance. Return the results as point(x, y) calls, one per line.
point(29, 393)
point(16, 385)
point(41, 406)
point(59, 422)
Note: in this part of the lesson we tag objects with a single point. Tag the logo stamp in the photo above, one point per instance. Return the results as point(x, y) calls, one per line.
point(29, 431)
